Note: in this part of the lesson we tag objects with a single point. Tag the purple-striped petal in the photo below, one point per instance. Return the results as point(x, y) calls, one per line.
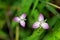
point(45, 25)
point(36, 25)
point(22, 23)
point(23, 16)
point(41, 17)
point(16, 19)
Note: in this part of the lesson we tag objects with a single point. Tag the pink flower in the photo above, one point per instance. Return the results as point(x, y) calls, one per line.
point(41, 23)
point(21, 19)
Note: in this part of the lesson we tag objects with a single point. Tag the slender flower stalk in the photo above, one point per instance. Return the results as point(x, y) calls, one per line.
point(53, 5)
point(21, 20)
point(40, 23)
point(17, 33)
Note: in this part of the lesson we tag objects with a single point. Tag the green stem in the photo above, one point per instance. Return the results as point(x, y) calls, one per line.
point(54, 5)
point(17, 33)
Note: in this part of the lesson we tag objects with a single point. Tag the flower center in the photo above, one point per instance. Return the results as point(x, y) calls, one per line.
point(41, 22)
point(22, 19)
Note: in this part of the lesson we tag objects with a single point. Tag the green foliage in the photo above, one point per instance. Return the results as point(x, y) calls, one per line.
point(2, 22)
point(50, 8)
point(54, 33)
point(32, 8)
point(3, 35)
point(52, 21)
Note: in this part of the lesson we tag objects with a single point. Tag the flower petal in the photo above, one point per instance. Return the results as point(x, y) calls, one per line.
point(22, 23)
point(41, 17)
point(16, 19)
point(45, 25)
point(36, 25)
point(23, 16)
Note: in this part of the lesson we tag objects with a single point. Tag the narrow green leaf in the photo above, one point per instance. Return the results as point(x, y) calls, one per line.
point(36, 34)
point(52, 21)
point(53, 10)
point(2, 22)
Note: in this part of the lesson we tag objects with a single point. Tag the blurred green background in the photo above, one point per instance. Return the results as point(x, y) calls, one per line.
point(10, 30)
